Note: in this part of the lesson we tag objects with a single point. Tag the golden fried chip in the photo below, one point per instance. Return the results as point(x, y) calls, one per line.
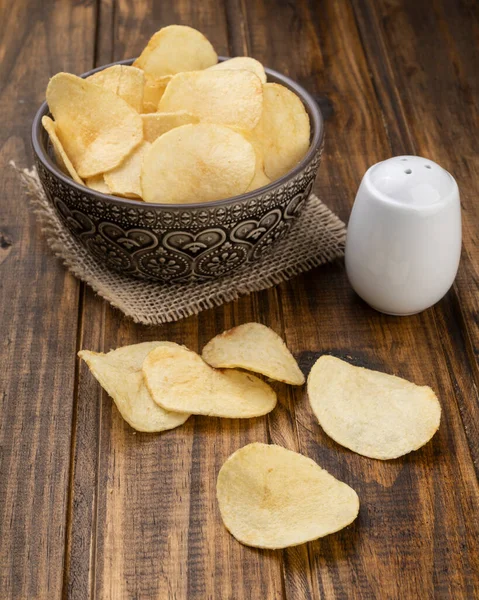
point(127, 82)
point(98, 183)
point(61, 156)
point(97, 128)
point(197, 163)
point(253, 347)
point(125, 179)
point(259, 180)
point(372, 413)
point(154, 89)
point(179, 379)
point(156, 124)
point(175, 49)
point(231, 98)
point(120, 375)
point(242, 63)
point(270, 497)
point(255, 138)
point(286, 130)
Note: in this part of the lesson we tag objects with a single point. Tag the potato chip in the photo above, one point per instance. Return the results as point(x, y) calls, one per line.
point(197, 163)
point(154, 89)
point(372, 413)
point(255, 137)
point(286, 130)
point(61, 156)
point(253, 347)
point(127, 82)
point(175, 49)
point(98, 183)
point(156, 124)
point(125, 179)
point(97, 128)
point(179, 379)
point(120, 375)
point(270, 497)
point(259, 180)
point(243, 63)
point(232, 98)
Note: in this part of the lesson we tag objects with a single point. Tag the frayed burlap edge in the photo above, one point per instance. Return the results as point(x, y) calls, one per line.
point(318, 237)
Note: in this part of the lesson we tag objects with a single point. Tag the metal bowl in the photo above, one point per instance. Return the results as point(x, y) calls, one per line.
point(181, 242)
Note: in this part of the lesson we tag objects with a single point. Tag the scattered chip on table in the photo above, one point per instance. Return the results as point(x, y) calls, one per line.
point(254, 347)
point(119, 372)
point(179, 380)
point(374, 414)
point(271, 497)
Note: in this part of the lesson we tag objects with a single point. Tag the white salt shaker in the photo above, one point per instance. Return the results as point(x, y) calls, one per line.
point(404, 235)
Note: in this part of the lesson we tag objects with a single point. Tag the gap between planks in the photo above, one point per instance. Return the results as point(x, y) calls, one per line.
point(403, 141)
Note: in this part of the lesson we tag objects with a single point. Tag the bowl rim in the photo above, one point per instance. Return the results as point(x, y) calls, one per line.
point(312, 108)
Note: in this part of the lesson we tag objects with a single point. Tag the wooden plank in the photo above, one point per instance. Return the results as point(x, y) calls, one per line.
point(418, 513)
point(135, 546)
point(299, 581)
point(39, 301)
point(82, 510)
point(435, 115)
point(144, 517)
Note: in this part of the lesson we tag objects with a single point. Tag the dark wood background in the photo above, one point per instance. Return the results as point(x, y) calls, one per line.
point(91, 509)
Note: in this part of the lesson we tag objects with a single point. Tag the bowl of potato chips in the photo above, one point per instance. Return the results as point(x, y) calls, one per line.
point(180, 165)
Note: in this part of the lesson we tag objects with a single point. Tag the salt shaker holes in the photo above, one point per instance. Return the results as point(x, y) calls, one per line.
point(404, 235)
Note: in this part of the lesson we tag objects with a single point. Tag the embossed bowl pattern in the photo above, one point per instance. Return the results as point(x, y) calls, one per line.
point(181, 242)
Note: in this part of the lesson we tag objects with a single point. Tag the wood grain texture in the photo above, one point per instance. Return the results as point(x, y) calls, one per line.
point(298, 578)
point(429, 101)
point(92, 509)
point(39, 304)
point(144, 520)
point(399, 498)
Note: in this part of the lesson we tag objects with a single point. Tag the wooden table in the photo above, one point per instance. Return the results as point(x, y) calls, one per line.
point(91, 509)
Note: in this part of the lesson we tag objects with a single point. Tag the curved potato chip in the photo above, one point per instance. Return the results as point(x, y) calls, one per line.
point(154, 89)
point(174, 49)
point(179, 379)
point(253, 347)
point(231, 98)
point(270, 497)
point(243, 63)
point(259, 180)
point(61, 156)
point(286, 130)
point(98, 183)
point(255, 137)
point(124, 81)
point(197, 163)
point(125, 179)
point(156, 124)
point(97, 128)
point(120, 375)
point(374, 414)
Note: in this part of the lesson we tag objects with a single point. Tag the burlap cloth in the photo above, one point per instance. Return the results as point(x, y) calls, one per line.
point(317, 237)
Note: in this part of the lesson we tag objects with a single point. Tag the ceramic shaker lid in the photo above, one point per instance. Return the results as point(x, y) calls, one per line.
point(412, 180)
